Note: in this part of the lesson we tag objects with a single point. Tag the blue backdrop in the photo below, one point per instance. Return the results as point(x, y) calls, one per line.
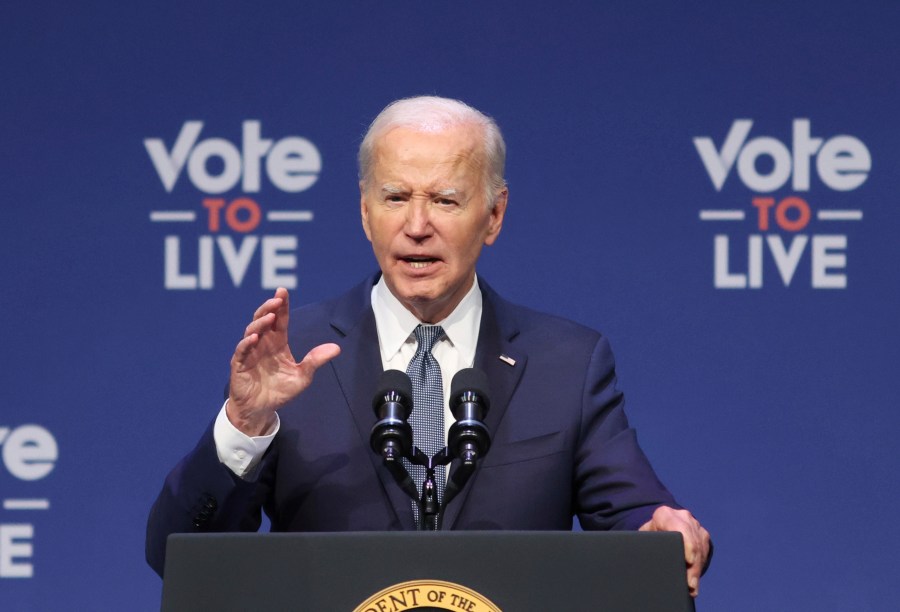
point(713, 185)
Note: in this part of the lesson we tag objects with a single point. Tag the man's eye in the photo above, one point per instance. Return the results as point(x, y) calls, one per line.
point(446, 202)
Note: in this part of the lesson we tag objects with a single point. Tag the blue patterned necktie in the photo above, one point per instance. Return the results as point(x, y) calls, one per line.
point(427, 417)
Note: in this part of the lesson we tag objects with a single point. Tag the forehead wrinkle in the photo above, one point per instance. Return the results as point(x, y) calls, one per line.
point(459, 170)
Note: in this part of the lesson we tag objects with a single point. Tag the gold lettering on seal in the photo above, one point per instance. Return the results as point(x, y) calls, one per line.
point(430, 594)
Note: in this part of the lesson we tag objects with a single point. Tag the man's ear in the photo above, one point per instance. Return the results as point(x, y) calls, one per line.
point(364, 210)
point(495, 222)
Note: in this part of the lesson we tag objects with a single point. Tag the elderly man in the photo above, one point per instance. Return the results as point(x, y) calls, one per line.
point(293, 437)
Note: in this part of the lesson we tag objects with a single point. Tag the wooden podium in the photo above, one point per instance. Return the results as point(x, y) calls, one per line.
point(398, 571)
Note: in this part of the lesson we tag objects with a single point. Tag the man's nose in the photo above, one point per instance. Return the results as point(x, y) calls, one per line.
point(418, 218)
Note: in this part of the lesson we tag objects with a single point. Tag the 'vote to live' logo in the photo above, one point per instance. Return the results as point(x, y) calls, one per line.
point(28, 454)
point(215, 166)
point(841, 163)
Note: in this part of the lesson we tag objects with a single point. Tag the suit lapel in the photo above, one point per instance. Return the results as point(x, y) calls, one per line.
point(498, 330)
point(358, 369)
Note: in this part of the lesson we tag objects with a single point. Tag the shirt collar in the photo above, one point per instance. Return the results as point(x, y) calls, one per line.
point(396, 324)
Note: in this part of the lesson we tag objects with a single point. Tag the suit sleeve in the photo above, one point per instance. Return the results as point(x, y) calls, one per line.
point(615, 485)
point(202, 495)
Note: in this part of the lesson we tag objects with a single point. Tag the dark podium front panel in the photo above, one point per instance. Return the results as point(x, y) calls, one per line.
point(466, 571)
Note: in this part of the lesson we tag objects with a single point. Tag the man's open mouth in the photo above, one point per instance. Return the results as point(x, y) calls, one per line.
point(417, 263)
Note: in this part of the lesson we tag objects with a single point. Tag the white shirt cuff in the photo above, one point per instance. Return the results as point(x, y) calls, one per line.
point(238, 451)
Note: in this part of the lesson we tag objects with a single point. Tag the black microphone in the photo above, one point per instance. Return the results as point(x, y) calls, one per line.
point(391, 436)
point(469, 438)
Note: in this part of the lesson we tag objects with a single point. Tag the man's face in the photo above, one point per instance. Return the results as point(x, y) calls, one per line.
point(423, 210)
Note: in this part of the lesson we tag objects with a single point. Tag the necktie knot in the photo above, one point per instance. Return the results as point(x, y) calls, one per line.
point(427, 336)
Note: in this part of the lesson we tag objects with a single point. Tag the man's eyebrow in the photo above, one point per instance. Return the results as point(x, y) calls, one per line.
point(450, 192)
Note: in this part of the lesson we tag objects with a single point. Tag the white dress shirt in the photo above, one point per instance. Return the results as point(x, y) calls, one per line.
point(397, 345)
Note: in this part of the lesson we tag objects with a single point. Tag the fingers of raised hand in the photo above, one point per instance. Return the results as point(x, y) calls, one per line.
point(260, 325)
point(253, 333)
point(269, 306)
point(279, 305)
point(319, 356)
point(243, 352)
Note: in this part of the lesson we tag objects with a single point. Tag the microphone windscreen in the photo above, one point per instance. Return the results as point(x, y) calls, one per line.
point(470, 380)
point(393, 380)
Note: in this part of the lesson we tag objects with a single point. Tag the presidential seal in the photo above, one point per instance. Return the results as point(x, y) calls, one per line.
point(425, 596)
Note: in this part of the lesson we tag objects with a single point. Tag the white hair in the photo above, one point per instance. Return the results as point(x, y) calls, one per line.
point(434, 114)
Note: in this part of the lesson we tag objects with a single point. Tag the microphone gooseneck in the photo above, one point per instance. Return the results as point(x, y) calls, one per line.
point(468, 440)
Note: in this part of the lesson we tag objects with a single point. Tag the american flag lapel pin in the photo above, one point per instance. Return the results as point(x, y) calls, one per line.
point(507, 360)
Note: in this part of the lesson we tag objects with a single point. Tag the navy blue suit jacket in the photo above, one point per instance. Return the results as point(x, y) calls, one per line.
point(562, 447)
